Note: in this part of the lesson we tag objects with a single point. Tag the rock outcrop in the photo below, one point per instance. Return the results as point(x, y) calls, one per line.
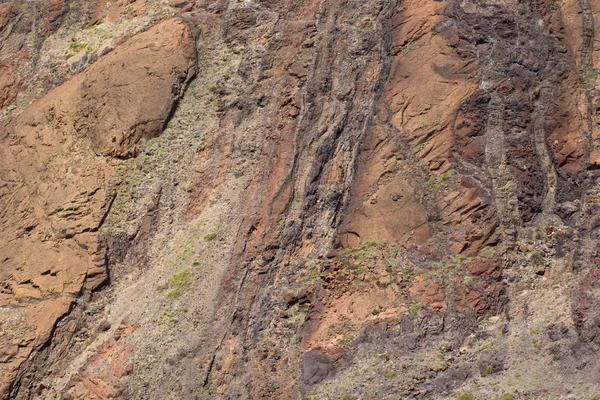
point(59, 166)
point(352, 199)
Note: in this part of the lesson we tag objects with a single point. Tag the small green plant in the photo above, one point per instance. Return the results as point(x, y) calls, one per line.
point(444, 176)
point(488, 370)
point(590, 77)
point(187, 253)
point(179, 284)
point(210, 237)
point(414, 308)
point(429, 275)
point(434, 185)
point(346, 397)
point(466, 396)
point(180, 157)
point(373, 243)
point(537, 258)
point(467, 280)
point(174, 294)
point(406, 270)
point(168, 321)
point(180, 279)
point(420, 146)
point(487, 251)
point(76, 47)
point(391, 374)
point(10, 109)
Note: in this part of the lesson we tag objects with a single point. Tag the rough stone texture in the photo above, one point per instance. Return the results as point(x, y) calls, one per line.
point(56, 186)
point(10, 83)
point(353, 199)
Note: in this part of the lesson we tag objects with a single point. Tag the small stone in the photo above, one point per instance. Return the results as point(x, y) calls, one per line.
point(523, 248)
point(332, 254)
point(40, 388)
point(103, 326)
point(458, 247)
point(540, 271)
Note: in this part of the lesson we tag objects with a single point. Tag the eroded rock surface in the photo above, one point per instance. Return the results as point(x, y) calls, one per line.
point(57, 185)
point(358, 199)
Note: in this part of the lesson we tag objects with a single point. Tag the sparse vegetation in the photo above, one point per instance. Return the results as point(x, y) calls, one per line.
point(487, 252)
point(414, 308)
point(76, 47)
point(178, 285)
point(391, 374)
point(466, 396)
point(210, 237)
point(407, 48)
point(445, 176)
point(590, 77)
point(488, 370)
point(536, 258)
point(168, 320)
point(10, 109)
point(420, 146)
point(187, 253)
point(467, 280)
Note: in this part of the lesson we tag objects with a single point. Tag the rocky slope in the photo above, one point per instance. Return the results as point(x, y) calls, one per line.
point(298, 199)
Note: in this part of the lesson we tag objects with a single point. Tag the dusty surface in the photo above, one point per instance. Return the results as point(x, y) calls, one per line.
point(352, 199)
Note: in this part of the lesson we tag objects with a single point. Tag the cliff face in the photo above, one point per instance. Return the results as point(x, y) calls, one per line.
point(299, 199)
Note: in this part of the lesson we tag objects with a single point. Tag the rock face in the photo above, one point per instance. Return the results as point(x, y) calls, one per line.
point(358, 199)
point(57, 187)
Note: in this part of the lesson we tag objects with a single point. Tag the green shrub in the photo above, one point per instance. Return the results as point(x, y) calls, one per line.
point(590, 77)
point(391, 374)
point(488, 370)
point(487, 251)
point(446, 175)
point(210, 237)
point(179, 284)
point(174, 294)
point(76, 47)
point(10, 109)
point(466, 396)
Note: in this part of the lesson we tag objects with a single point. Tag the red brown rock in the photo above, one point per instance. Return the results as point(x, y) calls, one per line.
point(54, 187)
point(10, 83)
